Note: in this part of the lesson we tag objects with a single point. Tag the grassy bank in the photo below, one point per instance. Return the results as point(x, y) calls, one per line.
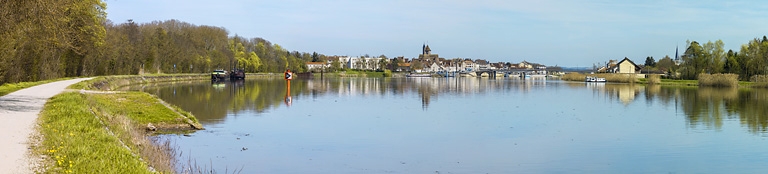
point(709, 80)
point(109, 83)
point(354, 73)
point(618, 78)
point(75, 140)
point(12, 87)
point(107, 132)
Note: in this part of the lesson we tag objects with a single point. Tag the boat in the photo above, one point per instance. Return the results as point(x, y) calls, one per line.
point(446, 74)
point(219, 74)
point(418, 75)
point(467, 74)
point(594, 79)
point(237, 74)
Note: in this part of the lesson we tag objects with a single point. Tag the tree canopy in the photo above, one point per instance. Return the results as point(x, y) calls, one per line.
point(42, 40)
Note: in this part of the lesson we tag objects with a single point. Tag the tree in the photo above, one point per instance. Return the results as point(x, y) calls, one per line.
point(714, 56)
point(650, 62)
point(694, 61)
point(383, 63)
point(665, 64)
point(416, 65)
point(335, 65)
point(395, 64)
point(315, 57)
point(731, 63)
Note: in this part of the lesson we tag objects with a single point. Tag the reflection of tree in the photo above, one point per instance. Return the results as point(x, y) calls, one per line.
point(752, 110)
point(710, 106)
point(702, 106)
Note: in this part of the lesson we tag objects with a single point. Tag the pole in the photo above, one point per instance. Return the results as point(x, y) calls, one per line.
point(288, 77)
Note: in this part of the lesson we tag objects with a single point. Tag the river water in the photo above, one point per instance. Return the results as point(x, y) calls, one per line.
point(470, 125)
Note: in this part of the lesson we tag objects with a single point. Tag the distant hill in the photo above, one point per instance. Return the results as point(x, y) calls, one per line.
point(576, 69)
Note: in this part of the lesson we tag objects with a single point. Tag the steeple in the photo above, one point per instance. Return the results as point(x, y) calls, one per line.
point(676, 57)
point(424, 48)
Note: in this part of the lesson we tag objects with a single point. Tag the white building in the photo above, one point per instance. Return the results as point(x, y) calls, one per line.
point(360, 63)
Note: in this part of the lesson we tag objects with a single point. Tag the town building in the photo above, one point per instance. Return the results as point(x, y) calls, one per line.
point(317, 66)
point(626, 66)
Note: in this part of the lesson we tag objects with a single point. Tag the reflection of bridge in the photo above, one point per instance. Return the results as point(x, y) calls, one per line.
point(520, 72)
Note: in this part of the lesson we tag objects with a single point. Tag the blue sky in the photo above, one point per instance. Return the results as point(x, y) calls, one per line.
point(565, 33)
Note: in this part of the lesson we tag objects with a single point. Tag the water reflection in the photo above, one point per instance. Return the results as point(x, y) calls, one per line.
point(470, 125)
point(707, 107)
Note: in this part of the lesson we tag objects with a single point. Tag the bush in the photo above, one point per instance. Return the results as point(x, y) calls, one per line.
point(574, 77)
point(620, 78)
point(719, 80)
point(760, 81)
point(654, 79)
point(387, 73)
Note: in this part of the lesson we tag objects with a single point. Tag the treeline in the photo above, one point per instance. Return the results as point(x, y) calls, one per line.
point(711, 58)
point(45, 39)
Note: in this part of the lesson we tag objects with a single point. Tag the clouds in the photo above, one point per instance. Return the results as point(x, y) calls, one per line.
point(544, 31)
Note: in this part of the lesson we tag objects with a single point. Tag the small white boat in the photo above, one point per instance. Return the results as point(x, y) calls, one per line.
point(418, 75)
point(594, 79)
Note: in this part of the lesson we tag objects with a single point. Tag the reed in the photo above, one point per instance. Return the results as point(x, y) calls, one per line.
point(719, 80)
point(619, 78)
point(574, 77)
point(654, 79)
point(759, 81)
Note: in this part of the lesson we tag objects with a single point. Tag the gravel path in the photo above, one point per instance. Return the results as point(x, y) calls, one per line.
point(18, 115)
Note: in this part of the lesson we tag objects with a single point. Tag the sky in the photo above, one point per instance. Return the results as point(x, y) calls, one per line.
point(563, 32)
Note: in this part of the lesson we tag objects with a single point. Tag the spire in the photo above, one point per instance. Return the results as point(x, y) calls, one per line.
point(676, 57)
point(424, 48)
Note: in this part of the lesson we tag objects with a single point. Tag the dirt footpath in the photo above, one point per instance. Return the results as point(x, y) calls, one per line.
point(18, 115)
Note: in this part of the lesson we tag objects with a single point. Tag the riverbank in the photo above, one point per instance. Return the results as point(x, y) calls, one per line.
point(355, 73)
point(620, 78)
point(93, 128)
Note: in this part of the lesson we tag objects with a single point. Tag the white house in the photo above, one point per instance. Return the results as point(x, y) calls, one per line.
point(361, 63)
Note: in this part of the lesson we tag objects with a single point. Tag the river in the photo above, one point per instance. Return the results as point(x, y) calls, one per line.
point(469, 125)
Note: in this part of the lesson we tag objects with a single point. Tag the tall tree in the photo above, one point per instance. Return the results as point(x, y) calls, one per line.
point(650, 62)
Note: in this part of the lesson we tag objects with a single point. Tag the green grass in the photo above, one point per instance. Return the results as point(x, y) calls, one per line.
point(12, 87)
point(140, 107)
point(75, 141)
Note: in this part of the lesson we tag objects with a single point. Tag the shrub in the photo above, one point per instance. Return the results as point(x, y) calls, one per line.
point(387, 73)
point(574, 77)
point(654, 79)
point(760, 81)
point(719, 80)
point(620, 78)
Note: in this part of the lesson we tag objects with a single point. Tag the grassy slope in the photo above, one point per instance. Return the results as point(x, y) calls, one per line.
point(89, 133)
point(139, 106)
point(76, 141)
